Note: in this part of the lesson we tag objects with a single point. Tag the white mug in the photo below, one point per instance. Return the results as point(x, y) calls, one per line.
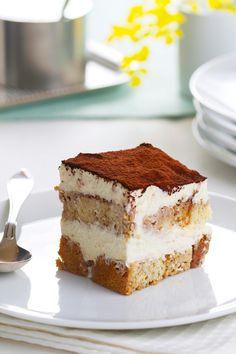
point(205, 37)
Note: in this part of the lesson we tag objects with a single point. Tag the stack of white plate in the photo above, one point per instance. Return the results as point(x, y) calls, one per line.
point(213, 87)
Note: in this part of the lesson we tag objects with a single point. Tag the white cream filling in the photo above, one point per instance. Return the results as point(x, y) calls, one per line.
point(95, 241)
point(81, 181)
point(147, 203)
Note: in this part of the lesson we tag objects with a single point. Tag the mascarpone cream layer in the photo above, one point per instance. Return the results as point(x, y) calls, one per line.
point(78, 180)
point(95, 241)
point(147, 203)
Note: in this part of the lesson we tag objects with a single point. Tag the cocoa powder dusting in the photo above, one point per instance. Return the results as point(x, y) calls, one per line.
point(137, 168)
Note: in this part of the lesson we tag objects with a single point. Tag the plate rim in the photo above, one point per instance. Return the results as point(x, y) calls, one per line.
point(47, 319)
point(211, 147)
point(201, 70)
point(220, 311)
point(216, 135)
point(213, 119)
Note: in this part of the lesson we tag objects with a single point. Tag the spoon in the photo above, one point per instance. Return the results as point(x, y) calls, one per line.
point(13, 257)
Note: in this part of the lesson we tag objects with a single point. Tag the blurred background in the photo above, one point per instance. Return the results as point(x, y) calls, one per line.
point(157, 96)
point(65, 88)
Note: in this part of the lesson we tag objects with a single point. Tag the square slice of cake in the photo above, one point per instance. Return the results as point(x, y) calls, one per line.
point(132, 217)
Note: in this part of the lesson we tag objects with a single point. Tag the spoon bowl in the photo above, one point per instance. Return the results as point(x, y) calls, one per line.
point(23, 257)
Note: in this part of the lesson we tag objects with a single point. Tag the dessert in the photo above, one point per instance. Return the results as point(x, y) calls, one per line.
point(132, 217)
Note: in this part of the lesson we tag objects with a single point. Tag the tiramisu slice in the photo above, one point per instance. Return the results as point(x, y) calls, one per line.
point(132, 217)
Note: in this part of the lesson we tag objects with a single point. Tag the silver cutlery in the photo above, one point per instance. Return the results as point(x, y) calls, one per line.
point(13, 257)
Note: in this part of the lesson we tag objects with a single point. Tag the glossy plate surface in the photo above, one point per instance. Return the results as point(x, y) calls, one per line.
point(40, 293)
point(213, 84)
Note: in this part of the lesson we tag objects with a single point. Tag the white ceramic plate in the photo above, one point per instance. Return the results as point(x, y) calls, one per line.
point(216, 135)
point(215, 120)
point(219, 152)
point(214, 85)
point(40, 293)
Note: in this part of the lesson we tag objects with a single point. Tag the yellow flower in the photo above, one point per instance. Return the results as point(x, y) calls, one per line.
point(131, 65)
point(156, 19)
point(135, 81)
point(119, 32)
point(192, 5)
point(227, 5)
point(140, 56)
point(135, 13)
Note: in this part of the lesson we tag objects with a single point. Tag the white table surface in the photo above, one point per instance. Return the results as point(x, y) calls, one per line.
point(40, 146)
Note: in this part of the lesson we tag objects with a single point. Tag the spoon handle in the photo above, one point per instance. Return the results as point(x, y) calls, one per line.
point(9, 231)
point(8, 245)
point(18, 187)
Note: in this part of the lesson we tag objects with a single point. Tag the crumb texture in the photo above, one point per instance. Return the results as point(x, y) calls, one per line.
point(137, 168)
point(94, 210)
point(71, 258)
point(125, 280)
point(199, 251)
